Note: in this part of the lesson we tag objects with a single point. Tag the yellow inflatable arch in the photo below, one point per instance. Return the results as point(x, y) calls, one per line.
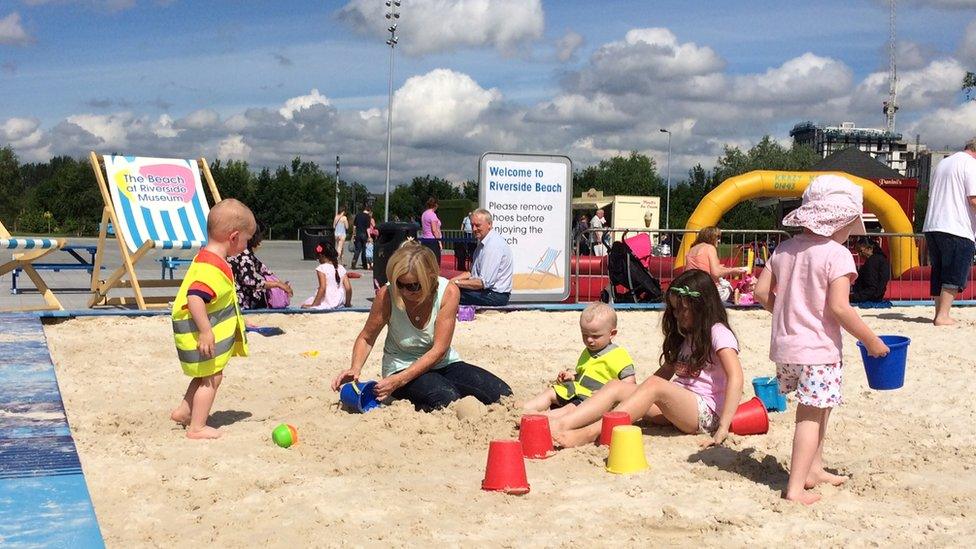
point(764, 184)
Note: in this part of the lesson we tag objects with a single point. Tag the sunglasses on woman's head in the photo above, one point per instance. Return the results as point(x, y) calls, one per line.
point(408, 286)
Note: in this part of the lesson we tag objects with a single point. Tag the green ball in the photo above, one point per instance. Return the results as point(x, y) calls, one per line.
point(284, 435)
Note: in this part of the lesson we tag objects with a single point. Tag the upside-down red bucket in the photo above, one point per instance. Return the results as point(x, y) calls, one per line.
point(750, 418)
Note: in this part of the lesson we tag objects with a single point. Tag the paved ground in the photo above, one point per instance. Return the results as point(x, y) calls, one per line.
point(284, 257)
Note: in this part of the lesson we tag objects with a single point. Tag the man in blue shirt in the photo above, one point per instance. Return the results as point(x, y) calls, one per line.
point(490, 279)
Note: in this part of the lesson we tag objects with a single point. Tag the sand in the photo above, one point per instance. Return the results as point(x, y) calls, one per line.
point(398, 477)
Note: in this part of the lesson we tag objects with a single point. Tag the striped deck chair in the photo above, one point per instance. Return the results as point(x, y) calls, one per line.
point(547, 262)
point(33, 249)
point(153, 204)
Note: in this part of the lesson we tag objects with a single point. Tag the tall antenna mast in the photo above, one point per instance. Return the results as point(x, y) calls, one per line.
point(891, 106)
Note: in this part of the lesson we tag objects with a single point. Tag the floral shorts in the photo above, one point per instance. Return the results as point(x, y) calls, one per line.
point(816, 385)
point(707, 418)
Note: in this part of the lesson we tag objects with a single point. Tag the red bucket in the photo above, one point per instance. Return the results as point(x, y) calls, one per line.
point(611, 420)
point(505, 471)
point(535, 436)
point(750, 418)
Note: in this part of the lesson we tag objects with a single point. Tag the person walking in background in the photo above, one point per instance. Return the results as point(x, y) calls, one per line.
point(340, 224)
point(580, 237)
point(464, 248)
point(361, 224)
point(430, 229)
point(950, 229)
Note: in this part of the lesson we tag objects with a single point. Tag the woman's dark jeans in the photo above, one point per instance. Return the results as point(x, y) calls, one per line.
point(438, 388)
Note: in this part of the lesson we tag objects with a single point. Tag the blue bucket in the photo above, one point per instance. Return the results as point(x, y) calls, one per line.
point(358, 397)
point(888, 372)
point(767, 389)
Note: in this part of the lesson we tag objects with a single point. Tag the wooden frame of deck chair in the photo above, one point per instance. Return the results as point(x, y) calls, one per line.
point(153, 204)
point(547, 262)
point(34, 249)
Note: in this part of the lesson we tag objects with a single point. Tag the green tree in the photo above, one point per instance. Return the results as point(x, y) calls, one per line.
point(635, 174)
point(11, 187)
point(969, 84)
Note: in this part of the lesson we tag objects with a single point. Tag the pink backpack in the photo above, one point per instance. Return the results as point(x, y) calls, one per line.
point(277, 298)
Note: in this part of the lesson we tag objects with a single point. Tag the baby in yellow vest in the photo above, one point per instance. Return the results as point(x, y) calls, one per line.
point(207, 324)
point(600, 362)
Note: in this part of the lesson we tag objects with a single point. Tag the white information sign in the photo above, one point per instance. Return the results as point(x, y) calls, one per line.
point(529, 196)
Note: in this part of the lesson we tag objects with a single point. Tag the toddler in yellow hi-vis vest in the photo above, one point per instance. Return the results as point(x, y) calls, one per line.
point(600, 362)
point(207, 324)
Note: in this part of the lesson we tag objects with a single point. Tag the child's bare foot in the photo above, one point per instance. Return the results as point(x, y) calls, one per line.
point(572, 438)
point(180, 415)
point(203, 433)
point(804, 497)
point(946, 321)
point(823, 477)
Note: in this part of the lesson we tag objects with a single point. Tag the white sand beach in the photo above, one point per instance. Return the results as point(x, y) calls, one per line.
point(397, 477)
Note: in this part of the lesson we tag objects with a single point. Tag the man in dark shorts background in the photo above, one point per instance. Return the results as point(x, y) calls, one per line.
point(950, 229)
point(361, 224)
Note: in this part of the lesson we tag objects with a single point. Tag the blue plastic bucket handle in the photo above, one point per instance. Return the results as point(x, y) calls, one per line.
point(359, 396)
point(887, 372)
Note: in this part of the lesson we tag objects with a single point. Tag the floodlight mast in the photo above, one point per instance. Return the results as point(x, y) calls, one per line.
point(393, 14)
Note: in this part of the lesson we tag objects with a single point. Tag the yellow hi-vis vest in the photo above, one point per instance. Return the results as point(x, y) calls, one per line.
point(226, 322)
point(595, 370)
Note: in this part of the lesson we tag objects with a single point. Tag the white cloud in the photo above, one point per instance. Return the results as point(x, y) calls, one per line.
point(432, 26)
point(164, 127)
point(12, 33)
point(234, 148)
point(807, 79)
point(111, 129)
point(567, 45)
point(200, 119)
point(440, 105)
point(296, 104)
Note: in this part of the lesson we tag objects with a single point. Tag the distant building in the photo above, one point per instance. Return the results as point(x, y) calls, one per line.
point(884, 146)
point(923, 165)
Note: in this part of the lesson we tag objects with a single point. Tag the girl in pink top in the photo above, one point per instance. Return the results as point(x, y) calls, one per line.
point(698, 384)
point(806, 285)
point(334, 289)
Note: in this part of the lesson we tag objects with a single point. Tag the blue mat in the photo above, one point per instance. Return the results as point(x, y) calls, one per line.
point(44, 501)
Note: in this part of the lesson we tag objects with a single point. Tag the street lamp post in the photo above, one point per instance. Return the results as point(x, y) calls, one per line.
point(393, 15)
point(667, 207)
point(337, 186)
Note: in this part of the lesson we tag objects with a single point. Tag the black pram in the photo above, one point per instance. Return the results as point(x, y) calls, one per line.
point(629, 280)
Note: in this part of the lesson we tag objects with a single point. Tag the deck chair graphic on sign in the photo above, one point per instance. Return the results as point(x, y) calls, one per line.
point(153, 204)
point(547, 262)
point(33, 249)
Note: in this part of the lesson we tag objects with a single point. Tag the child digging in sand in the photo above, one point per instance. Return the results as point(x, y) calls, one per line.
point(207, 324)
point(806, 285)
point(698, 385)
point(600, 362)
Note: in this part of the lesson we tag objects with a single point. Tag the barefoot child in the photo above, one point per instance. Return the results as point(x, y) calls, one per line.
point(207, 324)
point(806, 285)
point(334, 290)
point(600, 362)
point(699, 383)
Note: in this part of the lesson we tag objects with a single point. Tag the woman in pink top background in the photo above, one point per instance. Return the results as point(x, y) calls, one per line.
point(806, 285)
point(430, 229)
point(703, 255)
point(698, 385)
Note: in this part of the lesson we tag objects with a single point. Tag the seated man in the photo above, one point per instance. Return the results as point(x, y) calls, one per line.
point(873, 276)
point(490, 279)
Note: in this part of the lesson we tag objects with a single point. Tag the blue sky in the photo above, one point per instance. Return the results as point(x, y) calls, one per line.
point(189, 78)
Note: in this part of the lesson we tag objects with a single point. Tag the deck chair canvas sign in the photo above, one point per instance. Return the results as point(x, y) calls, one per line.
point(153, 204)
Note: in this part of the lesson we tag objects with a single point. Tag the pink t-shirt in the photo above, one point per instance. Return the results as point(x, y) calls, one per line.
point(699, 261)
point(711, 381)
point(804, 331)
point(428, 221)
